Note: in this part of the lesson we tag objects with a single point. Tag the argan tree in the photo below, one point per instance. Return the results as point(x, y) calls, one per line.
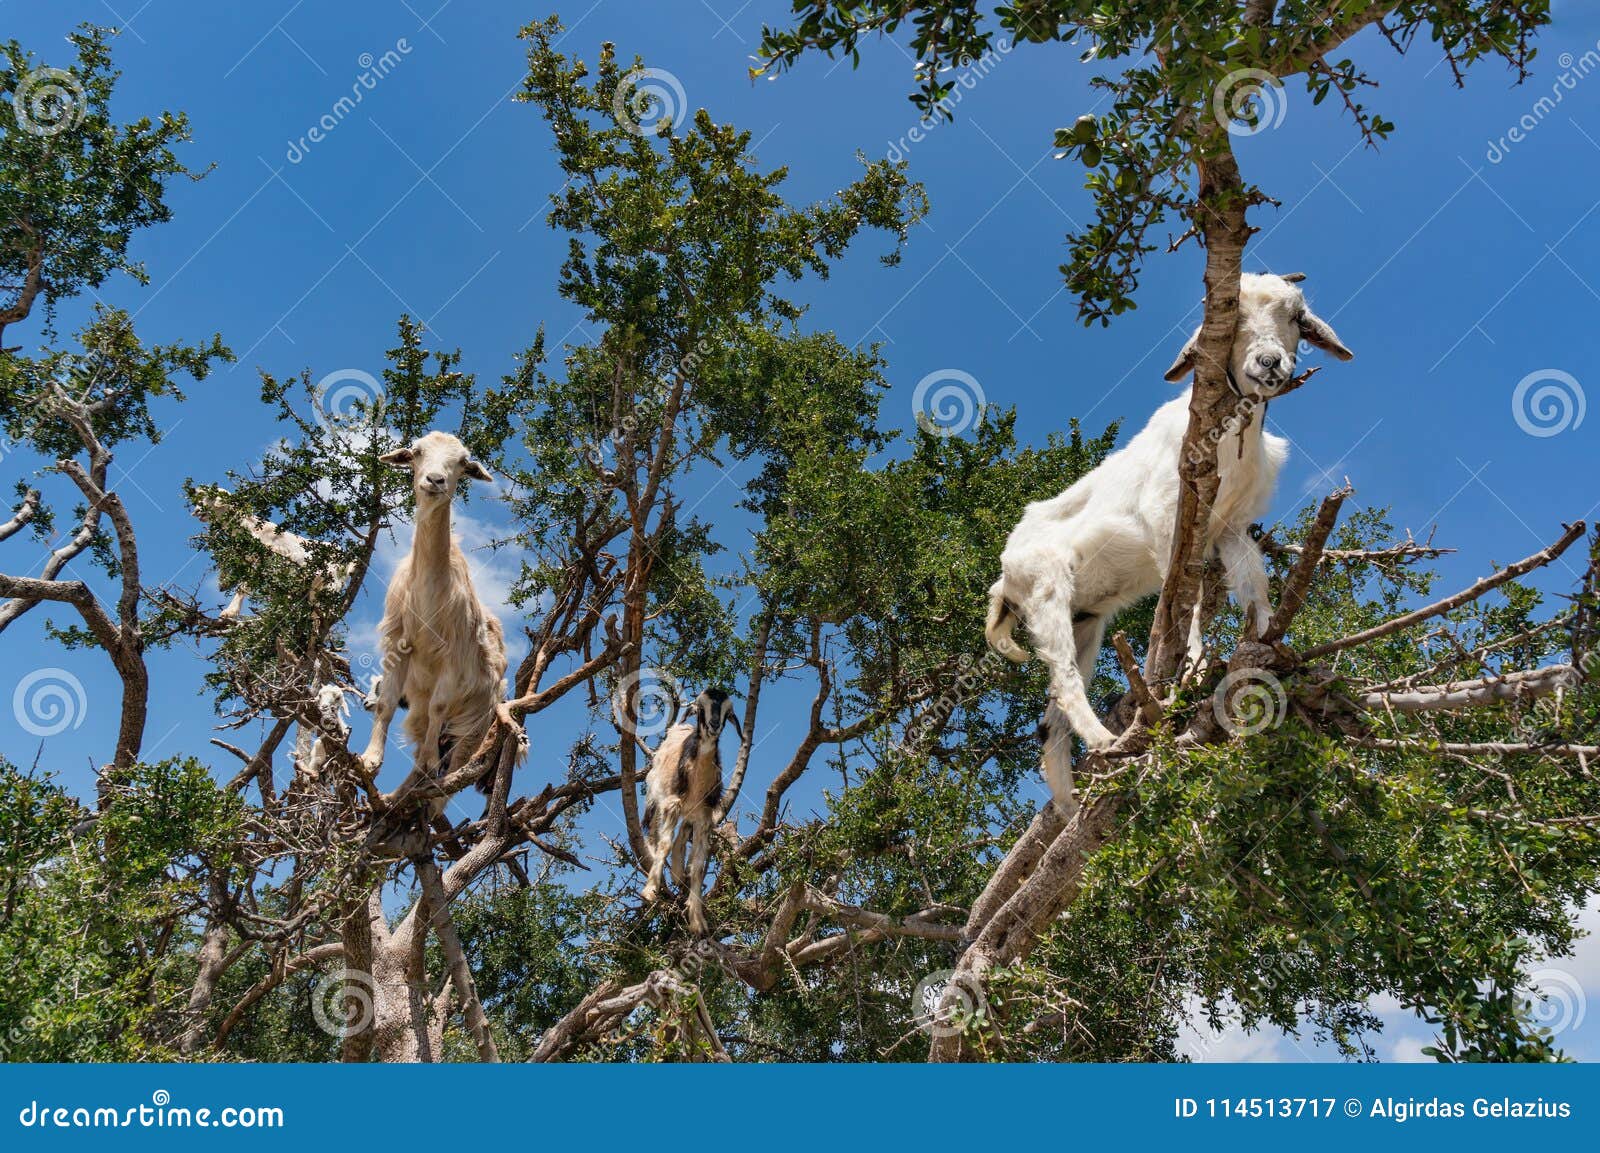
point(1162, 152)
point(1350, 840)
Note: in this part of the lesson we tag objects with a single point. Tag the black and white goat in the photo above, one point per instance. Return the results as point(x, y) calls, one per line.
point(1076, 559)
point(682, 791)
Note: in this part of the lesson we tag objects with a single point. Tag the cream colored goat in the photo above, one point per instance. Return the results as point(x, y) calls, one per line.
point(209, 505)
point(444, 653)
point(682, 791)
point(311, 746)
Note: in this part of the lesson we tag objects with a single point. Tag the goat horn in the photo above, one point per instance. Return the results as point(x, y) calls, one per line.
point(1293, 277)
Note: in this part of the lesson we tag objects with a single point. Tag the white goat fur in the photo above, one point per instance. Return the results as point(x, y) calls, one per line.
point(682, 791)
point(311, 746)
point(1106, 542)
point(444, 653)
point(208, 505)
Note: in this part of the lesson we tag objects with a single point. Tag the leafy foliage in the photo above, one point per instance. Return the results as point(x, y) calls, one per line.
point(75, 186)
point(1192, 71)
point(95, 930)
point(1287, 876)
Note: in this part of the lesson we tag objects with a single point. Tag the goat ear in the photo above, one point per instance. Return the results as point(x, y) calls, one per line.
point(734, 721)
point(477, 472)
point(1184, 365)
point(400, 457)
point(1316, 330)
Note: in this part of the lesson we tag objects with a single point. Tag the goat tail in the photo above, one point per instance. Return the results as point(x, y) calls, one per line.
point(1001, 624)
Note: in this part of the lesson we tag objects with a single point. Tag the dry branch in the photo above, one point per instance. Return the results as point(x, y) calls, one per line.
point(1298, 583)
point(1539, 559)
point(1476, 693)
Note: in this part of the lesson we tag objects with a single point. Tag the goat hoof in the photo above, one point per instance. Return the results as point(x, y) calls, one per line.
point(648, 894)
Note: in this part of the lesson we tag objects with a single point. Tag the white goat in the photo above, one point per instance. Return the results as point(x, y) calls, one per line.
point(311, 747)
point(1106, 542)
point(444, 653)
point(209, 505)
point(682, 791)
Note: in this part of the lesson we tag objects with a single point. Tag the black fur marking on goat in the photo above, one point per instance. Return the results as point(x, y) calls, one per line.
point(691, 749)
point(714, 797)
point(1079, 617)
point(649, 814)
point(447, 744)
point(680, 779)
point(405, 704)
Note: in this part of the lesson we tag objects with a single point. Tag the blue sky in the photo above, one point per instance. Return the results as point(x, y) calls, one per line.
point(1456, 263)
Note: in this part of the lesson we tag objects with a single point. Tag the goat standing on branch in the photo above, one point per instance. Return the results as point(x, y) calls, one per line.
point(210, 504)
point(682, 792)
point(444, 653)
point(1078, 558)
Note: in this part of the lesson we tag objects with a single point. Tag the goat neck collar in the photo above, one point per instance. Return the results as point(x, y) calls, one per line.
point(1233, 385)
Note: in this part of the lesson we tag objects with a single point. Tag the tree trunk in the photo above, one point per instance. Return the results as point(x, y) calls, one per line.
point(1042, 874)
point(360, 1010)
point(211, 961)
point(1223, 201)
point(405, 1028)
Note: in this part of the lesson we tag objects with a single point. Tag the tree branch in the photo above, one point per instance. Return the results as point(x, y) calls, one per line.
point(1539, 559)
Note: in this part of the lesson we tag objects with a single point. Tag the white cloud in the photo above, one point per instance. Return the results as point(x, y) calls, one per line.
point(1584, 964)
point(1406, 1048)
point(1199, 1042)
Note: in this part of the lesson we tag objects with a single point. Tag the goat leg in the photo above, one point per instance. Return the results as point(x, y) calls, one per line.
point(390, 687)
point(660, 847)
point(695, 883)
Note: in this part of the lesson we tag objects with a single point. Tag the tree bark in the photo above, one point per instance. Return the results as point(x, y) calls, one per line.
point(1222, 226)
